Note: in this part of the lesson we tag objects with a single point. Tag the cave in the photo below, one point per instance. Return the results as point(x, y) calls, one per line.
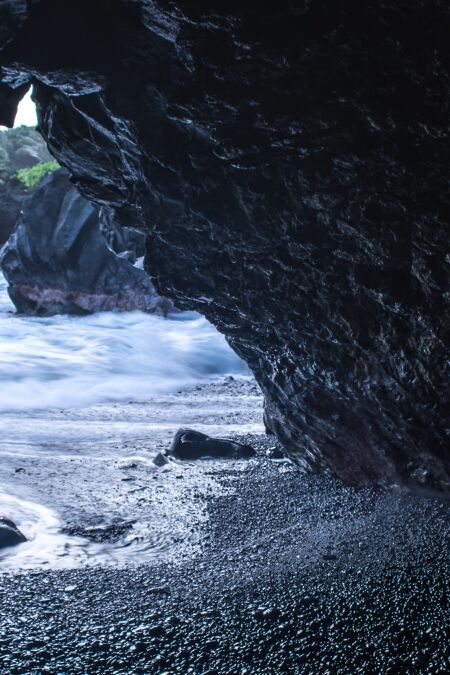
point(287, 162)
point(288, 165)
point(224, 337)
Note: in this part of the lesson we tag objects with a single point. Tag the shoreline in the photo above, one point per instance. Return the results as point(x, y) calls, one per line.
point(83, 487)
point(293, 573)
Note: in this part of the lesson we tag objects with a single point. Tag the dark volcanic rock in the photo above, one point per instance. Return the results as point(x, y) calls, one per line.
point(9, 534)
point(125, 241)
point(101, 533)
point(190, 444)
point(57, 260)
point(160, 460)
point(12, 195)
point(289, 160)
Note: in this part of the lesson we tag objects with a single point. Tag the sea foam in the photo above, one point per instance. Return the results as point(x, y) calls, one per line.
point(66, 362)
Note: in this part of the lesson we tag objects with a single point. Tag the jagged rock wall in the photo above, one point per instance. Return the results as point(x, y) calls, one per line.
point(289, 161)
point(57, 260)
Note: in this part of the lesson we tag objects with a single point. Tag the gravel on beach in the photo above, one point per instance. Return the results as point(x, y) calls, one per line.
point(295, 574)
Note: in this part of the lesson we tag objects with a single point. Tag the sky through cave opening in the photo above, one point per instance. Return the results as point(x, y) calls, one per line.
point(26, 112)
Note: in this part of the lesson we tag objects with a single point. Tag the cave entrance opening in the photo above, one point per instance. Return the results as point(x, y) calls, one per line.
point(26, 112)
point(93, 400)
point(101, 355)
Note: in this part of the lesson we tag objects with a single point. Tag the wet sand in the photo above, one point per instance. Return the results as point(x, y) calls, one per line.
point(69, 473)
point(271, 571)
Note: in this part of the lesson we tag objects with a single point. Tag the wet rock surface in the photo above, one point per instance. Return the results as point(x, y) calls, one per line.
point(289, 162)
point(125, 241)
point(98, 532)
point(10, 535)
point(13, 194)
point(57, 260)
point(191, 444)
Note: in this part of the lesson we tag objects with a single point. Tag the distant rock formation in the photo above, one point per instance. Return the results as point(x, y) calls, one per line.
point(57, 260)
point(20, 148)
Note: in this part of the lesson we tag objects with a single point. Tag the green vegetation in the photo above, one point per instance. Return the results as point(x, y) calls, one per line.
point(32, 176)
point(24, 160)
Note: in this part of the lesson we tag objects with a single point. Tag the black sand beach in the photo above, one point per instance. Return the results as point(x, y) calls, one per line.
point(286, 574)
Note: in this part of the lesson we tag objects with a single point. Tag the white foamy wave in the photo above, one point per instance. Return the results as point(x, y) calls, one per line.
point(40, 525)
point(62, 362)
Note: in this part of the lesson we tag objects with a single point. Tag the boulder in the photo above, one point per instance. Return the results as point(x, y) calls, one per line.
point(57, 260)
point(10, 535)
point(189, 444)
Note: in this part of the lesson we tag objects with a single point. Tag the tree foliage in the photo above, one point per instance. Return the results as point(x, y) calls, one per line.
point(32, 176)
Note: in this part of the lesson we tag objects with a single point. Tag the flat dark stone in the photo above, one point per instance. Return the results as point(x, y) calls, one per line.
point(191, 444)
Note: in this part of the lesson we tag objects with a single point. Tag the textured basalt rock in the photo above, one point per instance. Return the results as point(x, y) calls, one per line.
point(57, 260)
point(191, 444)
point(289, 161)
point(127, 242)
point(9, 534)
point(12, 195)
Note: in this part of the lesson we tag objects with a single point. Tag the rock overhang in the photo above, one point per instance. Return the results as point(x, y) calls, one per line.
point(289, 164)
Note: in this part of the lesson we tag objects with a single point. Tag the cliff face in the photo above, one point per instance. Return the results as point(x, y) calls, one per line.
point(20, 148)
point(289, 161)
